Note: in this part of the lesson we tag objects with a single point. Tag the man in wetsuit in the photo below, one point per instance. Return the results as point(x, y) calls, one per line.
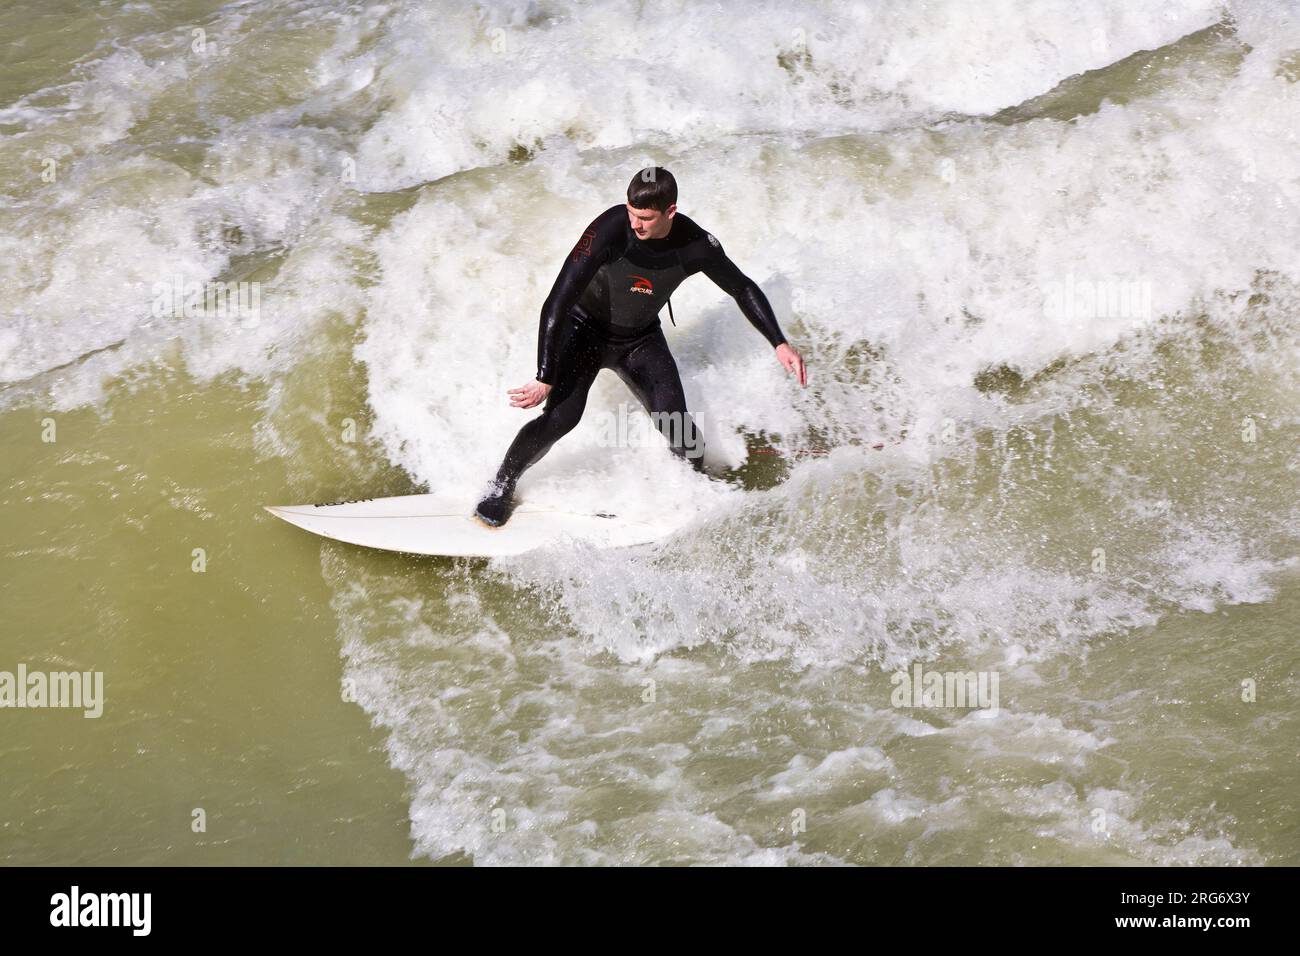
point(603, 312)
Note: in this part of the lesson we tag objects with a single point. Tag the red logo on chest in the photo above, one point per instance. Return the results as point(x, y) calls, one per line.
point(642, 285)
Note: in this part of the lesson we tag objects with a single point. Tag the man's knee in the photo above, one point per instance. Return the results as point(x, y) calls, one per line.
point(561, 419)
point(553, 423)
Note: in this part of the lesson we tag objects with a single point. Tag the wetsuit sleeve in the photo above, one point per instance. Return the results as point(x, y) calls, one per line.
point(591, 252)
point(715, 264)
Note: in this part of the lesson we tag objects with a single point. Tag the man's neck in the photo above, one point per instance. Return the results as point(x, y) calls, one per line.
point(664, 236)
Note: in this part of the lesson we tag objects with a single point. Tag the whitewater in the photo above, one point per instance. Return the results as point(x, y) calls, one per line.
point(1040, 259)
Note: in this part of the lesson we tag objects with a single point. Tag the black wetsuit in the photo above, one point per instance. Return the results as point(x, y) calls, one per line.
point(603, 312)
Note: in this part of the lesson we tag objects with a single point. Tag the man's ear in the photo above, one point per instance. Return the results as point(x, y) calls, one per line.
point(671, 211)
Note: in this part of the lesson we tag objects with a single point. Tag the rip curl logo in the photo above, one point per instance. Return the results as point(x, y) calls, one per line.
point(712, 241)
point(642, 285)
point(583, 249)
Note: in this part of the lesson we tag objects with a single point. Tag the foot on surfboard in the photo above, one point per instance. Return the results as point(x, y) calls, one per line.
point(496, 508)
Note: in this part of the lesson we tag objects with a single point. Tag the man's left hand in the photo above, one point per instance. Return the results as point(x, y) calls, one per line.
point(792, 361)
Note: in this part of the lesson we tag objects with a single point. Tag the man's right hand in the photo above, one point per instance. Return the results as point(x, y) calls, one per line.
point(526, 396)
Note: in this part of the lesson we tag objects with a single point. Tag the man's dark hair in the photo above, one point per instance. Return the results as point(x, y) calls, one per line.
point(652, 188)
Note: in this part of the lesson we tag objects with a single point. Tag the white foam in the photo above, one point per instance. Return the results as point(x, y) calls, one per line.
point(517, 76)
point(908, 250)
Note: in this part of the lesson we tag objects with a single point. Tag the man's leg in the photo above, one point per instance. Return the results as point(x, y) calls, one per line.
point(649, 370)
point(562, 411)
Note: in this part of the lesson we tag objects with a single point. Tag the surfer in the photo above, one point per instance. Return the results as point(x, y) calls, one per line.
point(603, 312)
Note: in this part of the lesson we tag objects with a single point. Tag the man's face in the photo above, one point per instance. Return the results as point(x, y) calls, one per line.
point(651, 223)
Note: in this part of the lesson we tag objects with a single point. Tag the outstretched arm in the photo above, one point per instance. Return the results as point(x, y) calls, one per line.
point(727, 276)
point(753, 303)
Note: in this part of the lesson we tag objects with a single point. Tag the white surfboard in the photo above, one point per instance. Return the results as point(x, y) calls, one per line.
point(445, 525)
